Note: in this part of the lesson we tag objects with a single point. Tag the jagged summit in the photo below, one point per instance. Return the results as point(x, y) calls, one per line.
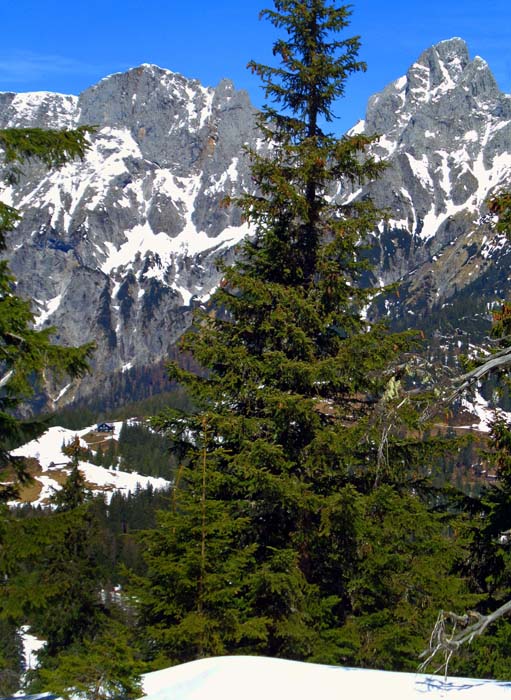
point(446, 133)
point(442, 70)
point(119, 247)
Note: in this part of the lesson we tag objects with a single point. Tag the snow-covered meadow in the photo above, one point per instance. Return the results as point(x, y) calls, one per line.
point(47, 450)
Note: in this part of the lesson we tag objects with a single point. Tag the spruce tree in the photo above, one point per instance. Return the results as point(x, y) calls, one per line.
point(50, 577)
point(49, 563)
point(74, 492)
point(300, 408)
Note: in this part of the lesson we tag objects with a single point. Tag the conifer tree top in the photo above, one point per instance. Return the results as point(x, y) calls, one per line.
point(314, 64)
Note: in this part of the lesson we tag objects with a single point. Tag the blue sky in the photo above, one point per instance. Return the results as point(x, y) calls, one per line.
point(65, 46)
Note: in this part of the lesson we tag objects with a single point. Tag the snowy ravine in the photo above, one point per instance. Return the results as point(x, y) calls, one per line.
point(47, 450)
point(259, 678)
point(119, 248)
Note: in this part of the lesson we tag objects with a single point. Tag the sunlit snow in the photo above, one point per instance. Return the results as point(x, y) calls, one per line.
point(63, 108)
point(479, 407)
point(259, 678)
point(31, 645)
point(49, 309)
point(142, 239)
point(420, 170)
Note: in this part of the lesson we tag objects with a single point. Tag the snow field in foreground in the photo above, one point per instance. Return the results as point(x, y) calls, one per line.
point(259, 678)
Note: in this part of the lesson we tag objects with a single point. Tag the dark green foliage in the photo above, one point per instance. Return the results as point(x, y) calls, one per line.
point(501, 327)
point(488, 656)
point(56, 572)
point(49, 568)
point(119, 522)
point(144, 451)
point(302, 419)
point(500, 206)
point(406, 560)
point(192, 599)
point(136, 511)
point(51, 148)
point(116, 523)
point(73, 493)
point(9, 217)
point(11, 657)
point(104, 667)
point(49, 575)
point(490, 563)
point(107, 456)
point(487, 569)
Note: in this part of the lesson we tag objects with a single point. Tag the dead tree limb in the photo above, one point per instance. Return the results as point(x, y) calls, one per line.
point(454, 387)
point(451, 631)
point(498, 360)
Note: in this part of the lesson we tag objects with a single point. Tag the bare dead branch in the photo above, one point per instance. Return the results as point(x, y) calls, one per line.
point(497, 360)
point(451, 631)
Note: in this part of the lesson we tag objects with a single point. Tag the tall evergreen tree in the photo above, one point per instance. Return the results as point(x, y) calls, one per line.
point(49, 564)
point(300, 410)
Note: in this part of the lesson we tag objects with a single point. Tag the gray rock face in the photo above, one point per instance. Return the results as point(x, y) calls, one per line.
point(445, 130)
point(120, 247)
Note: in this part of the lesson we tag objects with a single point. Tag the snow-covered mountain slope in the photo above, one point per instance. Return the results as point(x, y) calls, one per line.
point(446, 133)
point(253, 678)
point(120, 247)
point(50, 466)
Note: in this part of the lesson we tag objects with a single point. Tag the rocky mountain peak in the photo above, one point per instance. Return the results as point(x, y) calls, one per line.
point(446, 133)
point(438, 70)
point(443, 83)
point(47, 110)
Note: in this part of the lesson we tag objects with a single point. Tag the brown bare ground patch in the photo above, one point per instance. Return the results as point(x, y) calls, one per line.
point(31, 466)
point(31, 491)
point(59, 475)
point(97, 440)
point(106, 488)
